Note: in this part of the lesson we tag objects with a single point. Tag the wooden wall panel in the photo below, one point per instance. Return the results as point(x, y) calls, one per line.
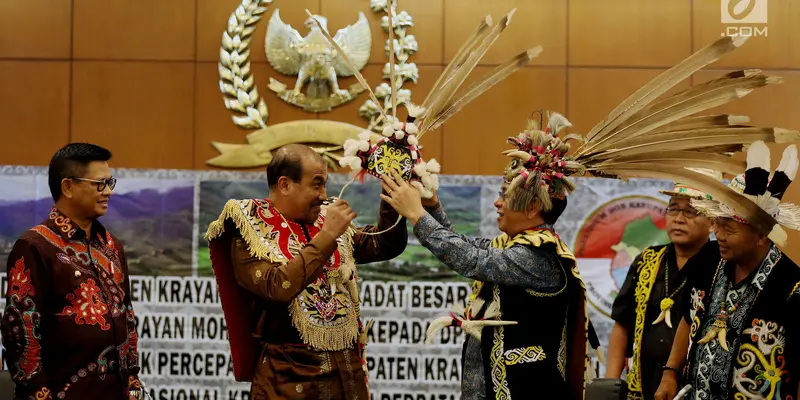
point(535, 22)
point(213, 121)
point(213, 15)
point(593, 93)
point(143, 111)
point(777, 50)
point(642, 33)
point(432, 141)
point(34, 119)
point(35, 28)
point(427, 16)
point(475, 137)
point(134, 30)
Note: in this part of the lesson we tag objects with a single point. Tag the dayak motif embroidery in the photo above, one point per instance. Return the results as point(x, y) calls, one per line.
point(648, 270)
point(86, 307)
point(697, 296)
point(766, 360)
point(524, 355)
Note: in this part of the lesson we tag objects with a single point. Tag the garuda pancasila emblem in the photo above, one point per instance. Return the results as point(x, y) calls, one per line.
point(315, 62)
point(250, 111)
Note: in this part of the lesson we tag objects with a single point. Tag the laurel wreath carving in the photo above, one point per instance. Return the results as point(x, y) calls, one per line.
point(405, 46)
point(236, 80)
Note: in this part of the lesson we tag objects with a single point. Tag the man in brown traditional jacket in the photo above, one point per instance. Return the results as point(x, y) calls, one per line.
point(68, 326)
point(295, 331)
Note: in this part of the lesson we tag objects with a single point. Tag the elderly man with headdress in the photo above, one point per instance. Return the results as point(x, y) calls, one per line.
point(644, 321)
point(526, 268)
point(526, 316)
point(741, 324)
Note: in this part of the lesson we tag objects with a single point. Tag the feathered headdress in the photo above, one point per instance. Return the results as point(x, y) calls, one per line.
point(540, 167)
point(763, 190)
point(646, 137)
point(398, 149)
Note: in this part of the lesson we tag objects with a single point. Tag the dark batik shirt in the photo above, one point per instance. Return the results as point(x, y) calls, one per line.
point(68, 326)
point(525, 266)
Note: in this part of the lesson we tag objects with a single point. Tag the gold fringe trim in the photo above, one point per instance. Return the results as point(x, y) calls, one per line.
point(242, 213)
point(328, 338)
point(339, 336)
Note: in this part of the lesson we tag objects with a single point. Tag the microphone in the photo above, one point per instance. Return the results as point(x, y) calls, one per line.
point(683, 392)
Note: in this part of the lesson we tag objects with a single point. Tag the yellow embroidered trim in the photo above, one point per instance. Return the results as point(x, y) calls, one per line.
point(536, 238)
point(562, 351)
point(648, 270)
point(499, 381)
point(795, 289)
point(524, 355)
point(771, 372)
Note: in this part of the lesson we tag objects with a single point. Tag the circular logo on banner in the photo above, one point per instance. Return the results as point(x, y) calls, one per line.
point(611, 238)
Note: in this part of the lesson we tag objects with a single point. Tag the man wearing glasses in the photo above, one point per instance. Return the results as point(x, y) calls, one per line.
point(646, 311)
point(68, 327)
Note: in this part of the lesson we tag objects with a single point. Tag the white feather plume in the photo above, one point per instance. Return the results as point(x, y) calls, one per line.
point(414, 110)
point(399, 135)
point(789, 162)
point(345, 161)
point(350, 147)
point(420, 169)
point(557, 122)
point(397, 125)
point(435, 179)
point(365, 135)
point(412, 140)
point(412, 128)
point(363, 145)
point(435, 327)
point(427, 181)
point(758, 156)
point(388, 130)
point(434, 166)
point(355, 164)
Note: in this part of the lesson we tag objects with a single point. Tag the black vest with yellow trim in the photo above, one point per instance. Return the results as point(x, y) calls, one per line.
point(647, 271)
point(545, 353)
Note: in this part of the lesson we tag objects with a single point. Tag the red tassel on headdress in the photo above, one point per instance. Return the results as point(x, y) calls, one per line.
point(361, 175)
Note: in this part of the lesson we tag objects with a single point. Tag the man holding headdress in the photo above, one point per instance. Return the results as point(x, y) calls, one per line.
point(526, 268)
point(643, 310)
point(741, 324)
point(286, 271)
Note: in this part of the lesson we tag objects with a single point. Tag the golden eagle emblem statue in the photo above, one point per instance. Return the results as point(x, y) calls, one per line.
point(315, 62)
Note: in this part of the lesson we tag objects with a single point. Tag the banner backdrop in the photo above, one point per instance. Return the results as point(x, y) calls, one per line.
point(161, 216)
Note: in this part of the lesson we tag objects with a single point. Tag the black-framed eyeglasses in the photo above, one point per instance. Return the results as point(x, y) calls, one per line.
point(687, 212)
point(101, 183)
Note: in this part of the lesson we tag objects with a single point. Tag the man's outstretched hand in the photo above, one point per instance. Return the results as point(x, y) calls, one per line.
point(403, 197)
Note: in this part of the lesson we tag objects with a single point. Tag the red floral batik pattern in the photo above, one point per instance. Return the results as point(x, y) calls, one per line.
point(86, 306)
